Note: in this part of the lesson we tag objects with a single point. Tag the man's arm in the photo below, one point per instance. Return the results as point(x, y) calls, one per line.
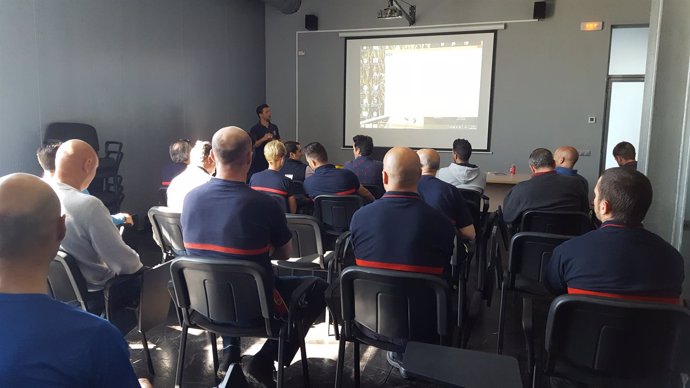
point(262, 140)
point(467, 232)
point(292, 204)
point(108, 244)
point(510, 207)
point(553, 276)
point(109, 360)
point(364, 193)
point(283, 252)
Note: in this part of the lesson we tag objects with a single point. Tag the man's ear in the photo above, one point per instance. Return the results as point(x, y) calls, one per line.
point(88, 165)
point(61, 228)
point(384, 176)
point(532, 168)
point(604, 207)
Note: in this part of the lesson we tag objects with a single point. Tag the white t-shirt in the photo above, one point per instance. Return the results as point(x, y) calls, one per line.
point(92, 239)
point(191, 178)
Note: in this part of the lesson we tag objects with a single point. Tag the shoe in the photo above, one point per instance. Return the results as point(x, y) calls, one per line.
point(259, 371)
point(395, 359)
point(230, 356)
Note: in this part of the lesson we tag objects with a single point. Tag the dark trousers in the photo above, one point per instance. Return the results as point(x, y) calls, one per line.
point(306, 316)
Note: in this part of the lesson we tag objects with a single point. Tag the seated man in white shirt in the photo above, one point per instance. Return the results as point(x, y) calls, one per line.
point(198, 172)
point(91, 237)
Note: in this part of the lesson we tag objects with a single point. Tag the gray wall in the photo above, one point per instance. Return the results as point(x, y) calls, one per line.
point(142, 72)
point(549, 76)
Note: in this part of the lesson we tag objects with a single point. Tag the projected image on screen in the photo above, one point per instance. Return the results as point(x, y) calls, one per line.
point(419, 91)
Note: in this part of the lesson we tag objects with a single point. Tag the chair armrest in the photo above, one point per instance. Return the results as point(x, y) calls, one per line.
point(297, 300)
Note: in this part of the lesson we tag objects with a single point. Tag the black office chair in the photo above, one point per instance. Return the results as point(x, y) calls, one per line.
point(335, 211)
point(233, 298)
point(612, 342)
point(386, 309)
point(67, 284)
point(163, 196)
point(307, 248)
point(375, 190)
point(556, 222)
point(528, 258)
point(154, 304)
point(167, 232)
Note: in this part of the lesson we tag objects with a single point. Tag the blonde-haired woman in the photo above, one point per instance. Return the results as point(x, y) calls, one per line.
point(272, 180)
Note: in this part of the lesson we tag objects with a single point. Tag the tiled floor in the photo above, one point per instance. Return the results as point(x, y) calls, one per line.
point(321, 349)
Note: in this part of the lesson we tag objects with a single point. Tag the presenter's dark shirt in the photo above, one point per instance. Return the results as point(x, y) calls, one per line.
point(401, 232)
point(616, 259)
point(258, 131)
point(368, 170)
point(445, 198)
point(270, 181)
point(545, 191)
point(331, 181)
point(573, 173)
point(295, 168)
point(227, 219)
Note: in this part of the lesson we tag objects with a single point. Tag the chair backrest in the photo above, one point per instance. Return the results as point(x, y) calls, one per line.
point(556, 222)
point(376, 191)
point(391, 307)
point(592, 337)
point(335, 211)
point(529, 256)
point(225, 292)
point(306, 235)
point(66, 282)
point(280, 200)
point(69, 131)
point(474, 202)
point(154, 301)
point(168, 230)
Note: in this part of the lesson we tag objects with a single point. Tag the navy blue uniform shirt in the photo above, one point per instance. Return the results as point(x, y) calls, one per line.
point(445, 198)
point(400, 231)
point(368, 170)
point(227, 219)
point(258, 131)
point(295, 168)
point(332, 181)
point(616, 259)
point(272, 182)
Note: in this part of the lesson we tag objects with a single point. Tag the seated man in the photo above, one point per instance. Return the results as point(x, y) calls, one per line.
point(461, 173)
point(198, 172)
point(443, 196)
point(46, 343)
point(621, 259)
point(179, 155)
point(624, 153)
point(546, 190)
point(293, 162)
point(91, 236)
point(400, 231)
point(565, 158)
point(367, 169)
point(330, 180)
point(225, 218)
point(46, 158)
point(272, 180)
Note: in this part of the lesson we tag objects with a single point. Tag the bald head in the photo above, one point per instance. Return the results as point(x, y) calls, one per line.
point(75, 164)
point(30, 223)
point(232, 151)
point(401, 170)
point(566, 156)
point(430, 160)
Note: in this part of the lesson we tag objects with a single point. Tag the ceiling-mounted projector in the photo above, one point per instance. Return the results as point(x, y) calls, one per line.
point(395, 11)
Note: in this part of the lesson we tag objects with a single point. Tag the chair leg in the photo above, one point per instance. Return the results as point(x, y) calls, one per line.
point(303, 351)
point(355, 367)
point(214, 349)
point(340, 363)
point(180, 357)
point(527, 328)
point(281, 357)
point(501, 320)
point(149, 363)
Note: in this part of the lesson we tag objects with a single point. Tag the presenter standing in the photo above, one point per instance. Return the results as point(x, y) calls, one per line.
point(261, 133)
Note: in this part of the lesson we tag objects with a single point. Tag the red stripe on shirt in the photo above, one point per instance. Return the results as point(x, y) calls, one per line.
point(347, 192)
point(640, 298)
point(232, 251)
point(400, 267)
point(270, 190)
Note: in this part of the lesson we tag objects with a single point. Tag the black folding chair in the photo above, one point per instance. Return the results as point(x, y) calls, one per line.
point(611, 342)
point(307, 248)
point(233, 298)
point(154, 304)
point(335, 211)
point(67, 284)
point(375, 190)
point(167, 232)
point(386, 309)
point(556, 222)
point(528, 259)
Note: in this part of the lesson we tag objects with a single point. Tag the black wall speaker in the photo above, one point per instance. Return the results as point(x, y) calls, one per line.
point(311, 22)
point(539, 11)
